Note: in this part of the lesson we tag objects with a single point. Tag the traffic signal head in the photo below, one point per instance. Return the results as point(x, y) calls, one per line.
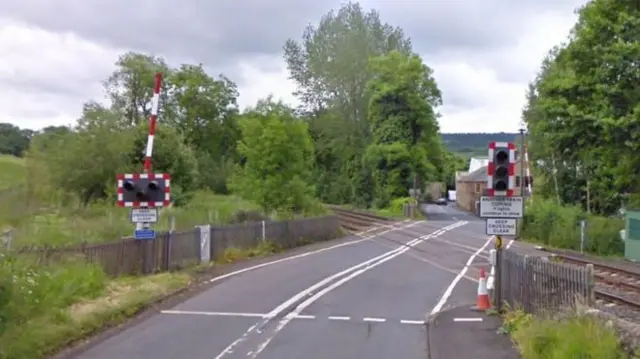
point(129, 185)
point(143, 190)
point(501, 168)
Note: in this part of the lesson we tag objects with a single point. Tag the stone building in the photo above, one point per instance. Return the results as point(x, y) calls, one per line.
point(471, 186)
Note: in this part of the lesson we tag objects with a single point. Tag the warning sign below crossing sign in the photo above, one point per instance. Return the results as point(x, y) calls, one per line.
point(501, 227)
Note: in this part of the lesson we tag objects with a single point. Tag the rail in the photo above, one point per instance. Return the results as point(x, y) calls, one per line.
point(356, 220)
point(613, 284)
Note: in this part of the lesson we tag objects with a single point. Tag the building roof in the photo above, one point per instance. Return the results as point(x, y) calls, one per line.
point(479, 175)
point(477, 162)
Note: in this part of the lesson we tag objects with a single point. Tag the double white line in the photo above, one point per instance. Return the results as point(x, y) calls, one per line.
point(321, 288)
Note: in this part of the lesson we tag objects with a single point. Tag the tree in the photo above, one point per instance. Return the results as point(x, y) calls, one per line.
point(130, 87)
point(330, 64)
point(330, 68)
point(205, 111)
point(13, 140)
point(277, 157)
point(583, 111)
point(403, 124)
point(81, 163)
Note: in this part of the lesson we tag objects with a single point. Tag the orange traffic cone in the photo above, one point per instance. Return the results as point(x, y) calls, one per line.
point(483, 302)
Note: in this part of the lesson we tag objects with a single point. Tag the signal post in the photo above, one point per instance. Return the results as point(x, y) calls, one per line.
point(144, 193)
point(499, 206)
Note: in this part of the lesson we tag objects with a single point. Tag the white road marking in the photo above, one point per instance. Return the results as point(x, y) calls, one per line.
point(418, 322)
point(378, 226)
point(460, 245)
point(215, 314)
point(455, 281)
point(354, 272)
point(430, 262)
point(467, 319)
point(231, 274)
point(509, 244)
point(305, 293)
point(378, 320)
point(339, 318)
point(298, 316)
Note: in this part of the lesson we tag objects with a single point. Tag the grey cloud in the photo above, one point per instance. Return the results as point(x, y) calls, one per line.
point(70, 87)
point(220, 33)
point(213, 32)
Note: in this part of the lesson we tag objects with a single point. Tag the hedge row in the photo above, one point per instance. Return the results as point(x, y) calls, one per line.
point(559, 226)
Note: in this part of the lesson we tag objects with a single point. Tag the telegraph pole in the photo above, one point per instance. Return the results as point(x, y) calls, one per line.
point(522, 162)
point(522, 149)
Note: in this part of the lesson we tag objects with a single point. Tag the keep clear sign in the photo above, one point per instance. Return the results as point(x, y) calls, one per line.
point(501, 226)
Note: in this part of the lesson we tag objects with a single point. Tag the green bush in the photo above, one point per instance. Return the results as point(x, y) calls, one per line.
point(396, 207)
point(559, 226)
point(576, 337)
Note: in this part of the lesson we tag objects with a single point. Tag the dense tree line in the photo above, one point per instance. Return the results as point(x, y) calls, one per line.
point(366, 132)
point(583, 111)
point(14, 140)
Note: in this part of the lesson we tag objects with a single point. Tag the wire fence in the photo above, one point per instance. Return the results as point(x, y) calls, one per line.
point(540, 286)
point(175, 250)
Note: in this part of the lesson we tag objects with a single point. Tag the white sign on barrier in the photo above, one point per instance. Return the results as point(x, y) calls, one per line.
point(501, 227)
point(501, 207)
point(144, 215)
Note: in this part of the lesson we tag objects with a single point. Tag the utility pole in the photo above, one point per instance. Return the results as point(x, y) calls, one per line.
point(498, 274)
point(521, 160)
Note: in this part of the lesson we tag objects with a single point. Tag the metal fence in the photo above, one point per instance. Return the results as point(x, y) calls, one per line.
point(174, 250)
point(538, 285)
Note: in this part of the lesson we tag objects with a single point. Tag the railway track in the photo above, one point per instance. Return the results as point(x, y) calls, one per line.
point(357, 221)
point(614, 285)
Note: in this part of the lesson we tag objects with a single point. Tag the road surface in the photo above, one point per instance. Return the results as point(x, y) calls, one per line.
point(361, 298)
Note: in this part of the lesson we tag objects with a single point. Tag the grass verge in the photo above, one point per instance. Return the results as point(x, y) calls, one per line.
point(395, 210)
point(574, 336)
point(13, 172)
point(48, 309)
point(35, 224)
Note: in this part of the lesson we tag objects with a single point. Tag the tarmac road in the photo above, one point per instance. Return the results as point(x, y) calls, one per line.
point(357, 299)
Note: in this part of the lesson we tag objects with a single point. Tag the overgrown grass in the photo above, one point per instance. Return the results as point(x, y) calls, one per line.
point(396, 207)
point(576, 336)
point(58, 225)
point(394, 210)
point(43, 309)
point(549, 224)
point(12, 172)
point(235, 254)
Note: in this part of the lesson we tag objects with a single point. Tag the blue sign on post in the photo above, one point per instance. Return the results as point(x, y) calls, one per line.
point(145, 234)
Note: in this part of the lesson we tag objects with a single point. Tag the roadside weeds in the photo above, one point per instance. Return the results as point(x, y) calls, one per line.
point(57, 329)
point(571, 336)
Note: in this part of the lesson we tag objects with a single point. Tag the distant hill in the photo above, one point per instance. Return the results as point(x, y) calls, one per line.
point(474, 144)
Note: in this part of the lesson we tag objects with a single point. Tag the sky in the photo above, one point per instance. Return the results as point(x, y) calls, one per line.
point(55, 54)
